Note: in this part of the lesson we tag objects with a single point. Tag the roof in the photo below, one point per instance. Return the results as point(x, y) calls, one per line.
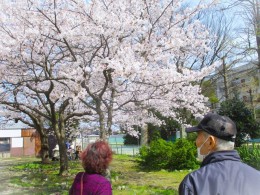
point(12, 125)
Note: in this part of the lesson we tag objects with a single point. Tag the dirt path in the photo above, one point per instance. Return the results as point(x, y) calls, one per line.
point(6, 188)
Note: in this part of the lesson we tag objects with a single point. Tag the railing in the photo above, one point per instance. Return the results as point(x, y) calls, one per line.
point(125, 149)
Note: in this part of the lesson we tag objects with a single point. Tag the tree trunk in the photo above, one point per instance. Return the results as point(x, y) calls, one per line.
point(60, 135)
point(63, 156)
point(144, 135)
point(102, 133)
point(102, 129)
point(110, 112)
point(109, 122)
point(44, 142)
point(257, 30)
point(225, 79)
point(44, 149)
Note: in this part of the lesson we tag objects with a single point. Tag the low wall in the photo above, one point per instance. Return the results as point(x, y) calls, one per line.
point(5, 155)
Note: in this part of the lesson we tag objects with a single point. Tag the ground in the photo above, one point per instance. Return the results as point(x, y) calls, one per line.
point(128, 178)
point(6, 188)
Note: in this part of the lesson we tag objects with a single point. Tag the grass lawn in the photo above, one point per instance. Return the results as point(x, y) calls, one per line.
point(127, 178)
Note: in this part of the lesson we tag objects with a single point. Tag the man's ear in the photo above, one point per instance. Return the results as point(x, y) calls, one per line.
point(212, 143)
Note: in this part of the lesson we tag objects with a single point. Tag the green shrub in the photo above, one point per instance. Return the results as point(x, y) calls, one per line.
point(183, 155)
point(167, 155)
point(157, 155)
point(250, 155)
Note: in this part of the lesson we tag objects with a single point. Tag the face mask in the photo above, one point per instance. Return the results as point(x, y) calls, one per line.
point(200, 156)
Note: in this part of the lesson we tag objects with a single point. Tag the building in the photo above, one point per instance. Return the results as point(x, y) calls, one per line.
point(242, 81)
point(18, 140)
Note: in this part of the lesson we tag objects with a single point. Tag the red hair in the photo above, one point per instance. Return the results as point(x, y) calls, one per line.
point(96, 157)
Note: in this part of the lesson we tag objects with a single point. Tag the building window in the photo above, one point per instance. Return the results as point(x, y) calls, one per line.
point(4, 144)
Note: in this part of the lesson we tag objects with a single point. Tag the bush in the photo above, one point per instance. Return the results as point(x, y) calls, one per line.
point(168, 155)
point(158, 155)
point(183, 155)
point(250, 155)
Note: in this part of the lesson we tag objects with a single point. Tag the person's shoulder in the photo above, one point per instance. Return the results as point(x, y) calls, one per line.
point(195, 175)
point(77, 178)
point(189, 177)
point(98, 178)
point(248, 169)
point(186, 186)
point(79, 174)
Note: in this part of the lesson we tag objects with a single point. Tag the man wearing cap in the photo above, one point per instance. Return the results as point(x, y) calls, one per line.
point(221, 172)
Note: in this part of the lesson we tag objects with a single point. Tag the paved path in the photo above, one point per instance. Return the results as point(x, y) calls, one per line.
point(6, 188)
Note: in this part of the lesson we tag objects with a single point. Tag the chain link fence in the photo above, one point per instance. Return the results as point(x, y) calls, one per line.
point(116, 143)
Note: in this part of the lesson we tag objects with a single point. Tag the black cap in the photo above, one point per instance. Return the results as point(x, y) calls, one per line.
point(219, 126)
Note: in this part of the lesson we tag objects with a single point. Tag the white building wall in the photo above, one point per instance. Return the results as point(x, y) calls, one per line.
point(17, 142)
point(11, 133)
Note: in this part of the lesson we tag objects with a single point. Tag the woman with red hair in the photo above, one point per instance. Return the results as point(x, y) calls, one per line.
point(95, 160)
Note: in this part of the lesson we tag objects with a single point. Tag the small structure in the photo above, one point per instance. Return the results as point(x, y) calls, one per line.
point(19, 141)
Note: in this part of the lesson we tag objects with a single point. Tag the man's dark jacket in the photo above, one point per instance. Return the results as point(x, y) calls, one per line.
point(222, 173)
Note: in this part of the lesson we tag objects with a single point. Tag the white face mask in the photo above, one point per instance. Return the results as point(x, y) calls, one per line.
point(200, 156)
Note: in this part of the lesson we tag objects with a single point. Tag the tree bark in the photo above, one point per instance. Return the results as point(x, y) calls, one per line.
point(60, 135)
point(63, 156)
point(102, 129)
point(257, 30)
point(44, 149)
point(225, 79)
point(44, 139)
point(144, 135)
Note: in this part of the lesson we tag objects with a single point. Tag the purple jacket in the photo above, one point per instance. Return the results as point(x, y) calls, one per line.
point(93, 184)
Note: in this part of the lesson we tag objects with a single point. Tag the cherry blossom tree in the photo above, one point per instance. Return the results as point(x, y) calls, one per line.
point(31, 80)
point(120, 59)
point(36, 100)
point(135, 58)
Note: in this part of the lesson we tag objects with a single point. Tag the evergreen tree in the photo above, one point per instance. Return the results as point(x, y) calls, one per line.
point(243, 117)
